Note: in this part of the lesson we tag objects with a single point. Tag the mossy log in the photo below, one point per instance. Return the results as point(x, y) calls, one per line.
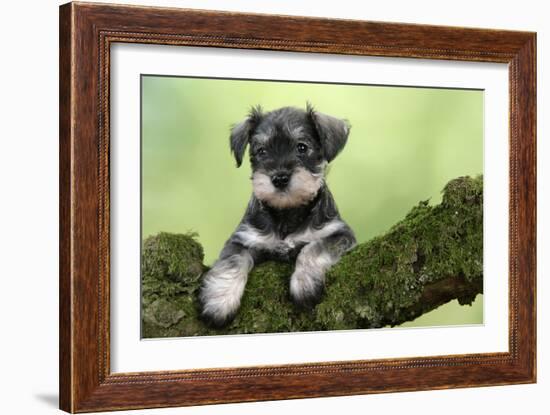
point(432, 256)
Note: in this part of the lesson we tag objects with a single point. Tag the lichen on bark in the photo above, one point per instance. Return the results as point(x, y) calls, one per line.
point(432, 256)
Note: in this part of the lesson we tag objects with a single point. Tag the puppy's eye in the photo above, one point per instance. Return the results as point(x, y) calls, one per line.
point(261, 152)
point(302, 148)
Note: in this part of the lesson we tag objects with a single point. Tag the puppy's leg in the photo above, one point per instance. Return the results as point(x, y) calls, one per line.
point(223, 286)
point(308, 280)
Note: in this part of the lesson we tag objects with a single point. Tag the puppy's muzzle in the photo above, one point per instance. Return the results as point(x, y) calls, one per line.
point(280, 180)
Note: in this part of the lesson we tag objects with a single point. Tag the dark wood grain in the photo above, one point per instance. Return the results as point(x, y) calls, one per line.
point(86, 33)
point(65, 246)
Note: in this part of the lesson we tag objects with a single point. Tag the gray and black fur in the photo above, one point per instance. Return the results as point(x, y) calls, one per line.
point(291, 215)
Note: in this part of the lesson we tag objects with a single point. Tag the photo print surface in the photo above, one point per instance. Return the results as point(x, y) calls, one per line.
point(272, 207)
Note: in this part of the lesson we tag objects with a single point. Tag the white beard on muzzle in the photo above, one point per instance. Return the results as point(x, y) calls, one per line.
point(301, 189)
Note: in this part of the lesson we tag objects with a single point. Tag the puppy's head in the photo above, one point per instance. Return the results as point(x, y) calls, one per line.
point(289, 150)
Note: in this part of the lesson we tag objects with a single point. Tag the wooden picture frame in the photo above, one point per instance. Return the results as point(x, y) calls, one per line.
point(86, 33)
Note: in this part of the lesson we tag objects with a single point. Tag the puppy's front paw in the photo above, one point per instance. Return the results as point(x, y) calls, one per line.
point(306, 290)
point(216, 310)
point(222, 288)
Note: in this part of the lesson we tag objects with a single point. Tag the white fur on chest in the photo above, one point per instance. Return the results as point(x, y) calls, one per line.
point(250, 237)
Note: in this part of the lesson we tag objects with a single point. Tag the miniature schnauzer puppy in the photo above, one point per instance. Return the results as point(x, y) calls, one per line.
point(291, 215)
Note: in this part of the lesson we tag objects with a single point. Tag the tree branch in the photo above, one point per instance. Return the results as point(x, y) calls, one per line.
point(432, 256)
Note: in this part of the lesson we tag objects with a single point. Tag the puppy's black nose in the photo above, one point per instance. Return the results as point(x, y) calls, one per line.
point(280, 180)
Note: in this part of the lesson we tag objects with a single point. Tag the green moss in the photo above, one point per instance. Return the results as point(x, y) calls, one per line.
point(171, 266)
point(380, 282)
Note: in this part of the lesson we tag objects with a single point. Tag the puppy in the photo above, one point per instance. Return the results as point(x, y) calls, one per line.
point(291, 215)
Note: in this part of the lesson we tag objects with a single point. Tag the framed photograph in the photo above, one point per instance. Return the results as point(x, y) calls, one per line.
point(258, 207)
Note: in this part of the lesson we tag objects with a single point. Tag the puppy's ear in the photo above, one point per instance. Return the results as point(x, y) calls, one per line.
point(241, 133)
point(333, 132)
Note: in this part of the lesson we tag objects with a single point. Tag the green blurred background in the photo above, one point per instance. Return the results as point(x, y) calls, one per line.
point(405, 144)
